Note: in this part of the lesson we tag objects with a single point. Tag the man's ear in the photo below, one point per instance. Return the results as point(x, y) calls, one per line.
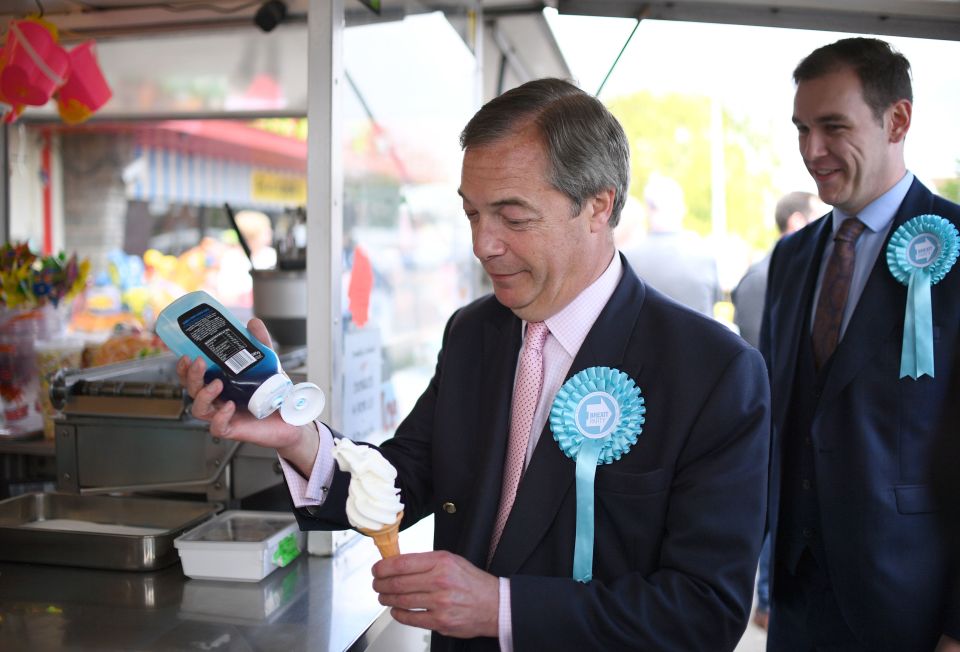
point(899, 115)
point(600, 207)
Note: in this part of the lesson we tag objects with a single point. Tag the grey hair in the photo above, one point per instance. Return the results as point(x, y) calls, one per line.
point(586, 147)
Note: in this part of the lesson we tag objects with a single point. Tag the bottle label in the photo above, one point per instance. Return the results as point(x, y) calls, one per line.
point(219, 339)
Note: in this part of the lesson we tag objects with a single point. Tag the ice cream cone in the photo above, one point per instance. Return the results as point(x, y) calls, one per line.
point(386, 538)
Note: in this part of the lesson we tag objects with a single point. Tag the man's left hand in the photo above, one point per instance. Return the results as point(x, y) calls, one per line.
point(948, 644)
point(439, 591)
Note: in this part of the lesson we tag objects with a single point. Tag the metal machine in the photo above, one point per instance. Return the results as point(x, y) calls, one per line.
point(126, 428)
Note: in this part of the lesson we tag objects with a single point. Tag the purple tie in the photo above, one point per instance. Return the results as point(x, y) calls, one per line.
point(526, 395)
point(834, 290)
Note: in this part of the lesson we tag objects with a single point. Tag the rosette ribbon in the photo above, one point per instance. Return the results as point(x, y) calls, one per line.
point(596, 417)
point(919, 255)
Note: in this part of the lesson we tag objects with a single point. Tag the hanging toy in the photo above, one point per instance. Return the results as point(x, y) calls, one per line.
point(85, 90)
point(32, 64)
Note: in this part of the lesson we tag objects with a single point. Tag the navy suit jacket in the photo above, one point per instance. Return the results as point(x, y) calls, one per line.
point(679, 519)
point(874, 436)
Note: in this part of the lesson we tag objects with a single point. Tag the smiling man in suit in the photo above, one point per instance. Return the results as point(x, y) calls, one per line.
point(860, 560)
point(678, 518)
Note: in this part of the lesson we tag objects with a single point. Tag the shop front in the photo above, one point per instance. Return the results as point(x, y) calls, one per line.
point(200, 174)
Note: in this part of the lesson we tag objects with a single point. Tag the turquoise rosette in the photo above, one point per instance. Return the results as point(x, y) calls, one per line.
point(919, 255)
point(596, 417)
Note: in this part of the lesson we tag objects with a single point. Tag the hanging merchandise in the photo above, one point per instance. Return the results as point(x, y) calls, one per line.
point(32, 64)
point(85, 90)
point(34, 67)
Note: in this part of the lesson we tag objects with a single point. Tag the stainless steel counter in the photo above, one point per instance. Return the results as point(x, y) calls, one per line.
point(314, 604)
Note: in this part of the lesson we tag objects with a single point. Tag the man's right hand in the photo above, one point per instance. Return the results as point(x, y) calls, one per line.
point(298, 445)
point(761, 618)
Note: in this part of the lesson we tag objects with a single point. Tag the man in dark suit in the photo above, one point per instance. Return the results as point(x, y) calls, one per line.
point(860, 560)
point(678, 518)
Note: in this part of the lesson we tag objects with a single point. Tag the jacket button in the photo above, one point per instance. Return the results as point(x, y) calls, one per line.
point(449, 508)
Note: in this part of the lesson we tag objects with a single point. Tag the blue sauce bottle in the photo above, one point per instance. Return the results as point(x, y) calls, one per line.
point(196, 324)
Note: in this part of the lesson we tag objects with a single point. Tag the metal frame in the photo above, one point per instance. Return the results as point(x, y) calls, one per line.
point(917, 18)
point(325, 84)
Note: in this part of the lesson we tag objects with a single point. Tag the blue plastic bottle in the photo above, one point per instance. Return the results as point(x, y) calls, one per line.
point(196, 324)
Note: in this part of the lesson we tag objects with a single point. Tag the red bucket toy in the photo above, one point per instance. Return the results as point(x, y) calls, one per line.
point(32, 65)
point(85, 90)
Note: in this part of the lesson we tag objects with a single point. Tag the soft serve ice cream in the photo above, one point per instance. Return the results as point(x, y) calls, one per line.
point(373, 501)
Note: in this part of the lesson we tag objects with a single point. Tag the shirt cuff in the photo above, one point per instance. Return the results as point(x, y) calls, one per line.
point(312, 491)
point(504, 622)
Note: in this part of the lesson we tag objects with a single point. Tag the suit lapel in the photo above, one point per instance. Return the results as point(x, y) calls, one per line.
point(795, 303)
point(880, 309)
point(550, 474)
point(501, 346)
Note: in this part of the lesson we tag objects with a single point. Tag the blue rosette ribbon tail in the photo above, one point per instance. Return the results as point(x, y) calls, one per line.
point(919, 255)
point(596, 417)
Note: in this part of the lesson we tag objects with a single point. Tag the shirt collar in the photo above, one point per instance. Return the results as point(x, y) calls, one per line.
point(571, 325)
point(878, 214)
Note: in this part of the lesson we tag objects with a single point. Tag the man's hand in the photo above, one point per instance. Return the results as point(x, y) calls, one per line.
point(439, 591)
point(761, 618)
point(298, 445)
point(948, 644)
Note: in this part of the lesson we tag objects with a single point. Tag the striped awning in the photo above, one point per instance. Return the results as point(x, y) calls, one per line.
point(176, 177)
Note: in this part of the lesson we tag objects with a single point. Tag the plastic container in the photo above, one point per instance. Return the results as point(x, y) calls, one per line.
point(196, 324)
point(240, 545)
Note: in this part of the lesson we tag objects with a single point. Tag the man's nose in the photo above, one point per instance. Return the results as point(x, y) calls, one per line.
point(812, 145)
point(487, 240)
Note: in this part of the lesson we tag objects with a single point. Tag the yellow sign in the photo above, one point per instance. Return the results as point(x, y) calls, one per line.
point(278, 188)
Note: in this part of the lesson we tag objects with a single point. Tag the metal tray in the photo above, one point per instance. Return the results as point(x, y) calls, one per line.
point(96, 531)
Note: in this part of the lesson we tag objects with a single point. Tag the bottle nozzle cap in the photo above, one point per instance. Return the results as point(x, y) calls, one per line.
point(302, 404)
point(269, 396)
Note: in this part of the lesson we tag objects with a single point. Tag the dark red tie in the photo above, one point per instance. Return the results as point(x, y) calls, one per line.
point(834, 290)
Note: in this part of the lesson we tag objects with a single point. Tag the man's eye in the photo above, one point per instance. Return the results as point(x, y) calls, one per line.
point(514, 218)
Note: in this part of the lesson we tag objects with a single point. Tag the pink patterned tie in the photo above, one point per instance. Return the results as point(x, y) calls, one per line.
point(526, 394)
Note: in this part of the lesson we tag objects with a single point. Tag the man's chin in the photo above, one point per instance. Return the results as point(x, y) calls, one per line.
point(505, 297)
point(509, 299)
point(827, 195)
point(829, 191)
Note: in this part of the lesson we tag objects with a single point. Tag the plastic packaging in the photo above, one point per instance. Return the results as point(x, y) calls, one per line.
point(21, 400)
point(196, 324)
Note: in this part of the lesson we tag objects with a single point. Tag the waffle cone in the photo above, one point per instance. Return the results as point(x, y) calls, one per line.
point(387, 538)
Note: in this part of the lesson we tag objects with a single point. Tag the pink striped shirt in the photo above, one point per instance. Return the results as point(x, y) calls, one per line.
point(313, 490)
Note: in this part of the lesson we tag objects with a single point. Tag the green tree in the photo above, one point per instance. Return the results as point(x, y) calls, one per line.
point(670, 134)
point(950, 189)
